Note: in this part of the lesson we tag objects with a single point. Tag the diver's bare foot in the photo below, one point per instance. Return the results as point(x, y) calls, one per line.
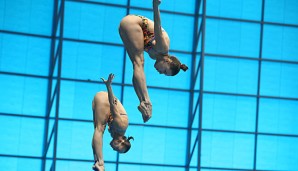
point(98, 167)
point(146, 109)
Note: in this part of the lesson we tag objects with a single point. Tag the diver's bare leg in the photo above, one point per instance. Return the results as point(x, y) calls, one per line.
point(139, 82)
point(132, 37)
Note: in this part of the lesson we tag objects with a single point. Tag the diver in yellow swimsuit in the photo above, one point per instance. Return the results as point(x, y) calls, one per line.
point(140, 34)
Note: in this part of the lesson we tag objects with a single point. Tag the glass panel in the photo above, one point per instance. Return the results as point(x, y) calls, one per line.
point(163, 113)
point(173, 5)
point(23, 95)
point(241, 9)
point(24, 54)
point(230, 75)
point(22, 164)
point(92, 22)
point(279, 79)
point(121, 2)
point(76, 99)
point(124, 167)
point(131, 103)
point(227, 150)
point(74, 140)
point(181, 36)
point(281, 11)
point(62, 165)
point(278, 116)
point(154, 145)
point(219, 170)
point(18, 136)
point(283, 45)
point(91, 62)
point(277, 153)
point(146, 13)
point(27, 16)
point(232, 38)
point(229, 112)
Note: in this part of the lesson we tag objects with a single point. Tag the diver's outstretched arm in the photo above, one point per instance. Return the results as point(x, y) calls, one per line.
point(161, 43)
point(112, 99)
point(97, 150)
point(97, 138)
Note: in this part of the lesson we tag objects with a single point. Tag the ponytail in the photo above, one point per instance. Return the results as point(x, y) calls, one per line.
point(127, 143)
point(183, 67)
point(129, 138)
point(176, 65)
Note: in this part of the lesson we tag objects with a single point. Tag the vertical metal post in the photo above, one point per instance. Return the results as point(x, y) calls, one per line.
point(201, 84)
point(123, 80)
point(259, 84)
point(124, 61)
point(192, 84)
point(58, 84)
point(50, 82)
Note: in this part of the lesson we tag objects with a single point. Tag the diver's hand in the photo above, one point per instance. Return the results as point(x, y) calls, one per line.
point(109, 81)
point(156, 2)
point(98, 166)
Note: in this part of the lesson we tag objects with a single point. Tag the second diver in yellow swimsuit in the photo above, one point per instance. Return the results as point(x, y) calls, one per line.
point(108, 110)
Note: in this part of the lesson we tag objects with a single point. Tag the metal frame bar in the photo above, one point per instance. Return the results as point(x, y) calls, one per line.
point(192, 150)
point(25, 34)
point(50, 99)
point(132, 163)
point(126, 6)
point(259, 85)
point(177, 51)
point(48, 145)
point(123, 80)
point(156, 126)
point(58, 84)
point(201, 85)
point(181, 13)
point(154, 87)
point(192, 84)
point(251, 58)
point(197, 72)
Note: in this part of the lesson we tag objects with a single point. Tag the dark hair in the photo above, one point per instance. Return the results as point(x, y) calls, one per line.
point(176, 65)
point(127, 144)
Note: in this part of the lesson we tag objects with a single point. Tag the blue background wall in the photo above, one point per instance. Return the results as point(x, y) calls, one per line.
point(236, 107)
